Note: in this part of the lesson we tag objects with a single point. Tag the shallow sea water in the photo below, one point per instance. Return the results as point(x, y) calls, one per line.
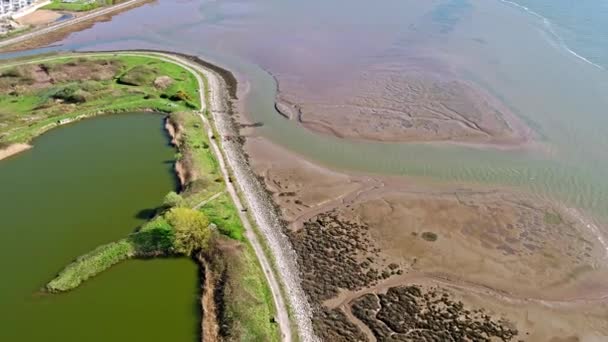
point(309, 47)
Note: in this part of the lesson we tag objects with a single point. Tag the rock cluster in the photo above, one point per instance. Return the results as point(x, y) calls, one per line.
point(333, 254)
point(408, 313)
point(333, 325)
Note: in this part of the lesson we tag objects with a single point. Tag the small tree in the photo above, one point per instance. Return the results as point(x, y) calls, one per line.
point(192, 232)
point(173, 199)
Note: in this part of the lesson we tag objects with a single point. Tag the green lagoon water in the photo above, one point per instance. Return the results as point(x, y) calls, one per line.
point(83, 185)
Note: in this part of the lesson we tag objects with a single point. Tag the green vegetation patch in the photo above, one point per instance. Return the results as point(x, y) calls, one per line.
point(196, 156)
point(222, 212)
point(155, 237)
point(35, 97)
point(178, 231)
point(141, 75)
point(79, 5)
point(249, 307)
point(429, 236)
point(91, 264)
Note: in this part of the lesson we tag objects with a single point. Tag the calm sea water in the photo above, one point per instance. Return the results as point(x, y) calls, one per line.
point(581, 25)
point(545, 59)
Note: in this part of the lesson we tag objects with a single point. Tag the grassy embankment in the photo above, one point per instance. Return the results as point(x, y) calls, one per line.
point(248, 303)
point(80, 5)
point(35, 97)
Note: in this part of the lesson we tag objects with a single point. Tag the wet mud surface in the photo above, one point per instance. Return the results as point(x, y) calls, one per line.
point(401, 103)
point(395, 259)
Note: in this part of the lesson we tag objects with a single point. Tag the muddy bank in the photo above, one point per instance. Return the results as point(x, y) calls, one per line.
point(413, 106)
point(13, 149)
point(209, 271)
point(532, 266)
point(183, 172)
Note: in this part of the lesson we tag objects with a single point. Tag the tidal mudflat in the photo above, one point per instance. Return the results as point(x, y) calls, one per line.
point(516, 233)
point(499, 263)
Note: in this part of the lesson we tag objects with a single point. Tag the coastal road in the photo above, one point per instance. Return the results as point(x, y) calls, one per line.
point(54, 27)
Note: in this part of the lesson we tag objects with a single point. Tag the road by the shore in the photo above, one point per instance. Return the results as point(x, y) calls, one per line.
point(76, 20)
point(282, 313)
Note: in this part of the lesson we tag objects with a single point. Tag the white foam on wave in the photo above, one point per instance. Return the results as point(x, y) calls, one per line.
point(557, 37)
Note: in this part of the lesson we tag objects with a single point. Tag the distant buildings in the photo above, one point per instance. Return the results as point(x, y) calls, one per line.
point(9, 7)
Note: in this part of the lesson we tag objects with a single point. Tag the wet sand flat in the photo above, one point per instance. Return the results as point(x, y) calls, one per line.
point(407, 103)
point(529, 264)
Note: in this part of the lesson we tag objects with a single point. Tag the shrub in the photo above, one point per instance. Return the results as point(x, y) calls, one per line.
point(429, 236)
point(18, 71)
point(173, 199)
point(138, 76)
point(192, 232)
point(154, 241)
point(180, 95)
point(70, 94)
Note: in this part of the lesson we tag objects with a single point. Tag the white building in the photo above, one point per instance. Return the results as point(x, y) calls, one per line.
point(9, 7)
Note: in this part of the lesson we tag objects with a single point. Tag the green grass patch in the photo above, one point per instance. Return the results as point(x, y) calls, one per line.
point(249, 307)
point(91, 264)
point(140, 75)
point(222, 212)
point(35, 97)
point(178, 231)
point(78, 6)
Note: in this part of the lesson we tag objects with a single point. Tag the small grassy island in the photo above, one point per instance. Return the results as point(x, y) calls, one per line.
point(80, 5)
point(200, 222)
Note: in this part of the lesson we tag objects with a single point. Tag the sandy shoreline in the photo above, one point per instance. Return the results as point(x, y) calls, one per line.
point(13, 150)
point(40, 17)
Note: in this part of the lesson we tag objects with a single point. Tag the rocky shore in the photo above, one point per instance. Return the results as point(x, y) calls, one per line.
point(263, 210)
